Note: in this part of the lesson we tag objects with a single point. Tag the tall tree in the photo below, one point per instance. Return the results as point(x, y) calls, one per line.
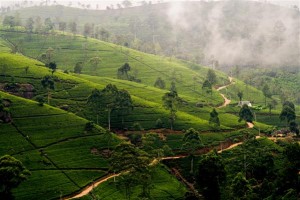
point(95, 61)
point(288, 112)
point(170, 101)
point(123, 71)
point(211, 77)
point(52, 66)
point(214, 119)
point(126, 3)
point(211, 174)
point(29, 26)
point(191, 142)
point(240, 94)
point(49, 25)
point(267, 93)
point(12, 173)
point(62, 26)
point(73, 28)
point(48, 83)
point(207, 87)
point(126, 157)
point(246, 114)
point(124, 104)
point(78, 67)
point(87, 29)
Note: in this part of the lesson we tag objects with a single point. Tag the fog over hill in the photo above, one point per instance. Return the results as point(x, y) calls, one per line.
point(214, 33)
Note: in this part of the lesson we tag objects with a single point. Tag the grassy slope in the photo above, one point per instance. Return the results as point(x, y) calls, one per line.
point(50, 148)
point(74, 91)
point(164, 187)
point(68, 51)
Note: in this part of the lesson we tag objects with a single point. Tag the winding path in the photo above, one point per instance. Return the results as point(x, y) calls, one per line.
point(86, 190)
point(226, 100)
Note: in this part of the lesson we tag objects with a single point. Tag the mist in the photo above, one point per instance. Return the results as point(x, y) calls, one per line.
point(239, 33)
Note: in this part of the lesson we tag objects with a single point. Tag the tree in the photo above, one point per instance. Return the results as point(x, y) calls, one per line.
point(62, 26)
point(9, 21)
point(48, 83)
point(87, 29)
point(38, 24)
point(246, 114)
point(159, 83)
point(73, 28)
point(126, 3)
point(109, 99)
point(49, 25)
point(12, 173)
point(95, 61)
point(211, 77)
point(53, 67)
point(49, 54)
point(207, 87)
point(267, 93)
point(94, 100)
point(288, 112)
point(240, 187)
point(211, 174)
point(78, 67)
point(294, 127)
point(191, 142)
point(29, 25)
point(124, 104)
point(123, 71)
point(271, 105)
point(126, 157)
point(240, 94)
point(214, 119)
point(170, 101)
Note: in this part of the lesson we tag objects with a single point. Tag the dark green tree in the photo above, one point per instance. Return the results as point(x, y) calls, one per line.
point(288, 112)
point(191, 142)
point(160, 83)
point(211, 174)
point(126, 157)
point(12, 173)
point(267, 93)
point(53, 67)
point(246, 114)
point(240, 95)
point(78, 67)
point(170, 101)
point(123, 71)
point(207, 87)
point(214, 119)
point(211, 77)
point(240, 187)
point(124, 104)
point(48, 83)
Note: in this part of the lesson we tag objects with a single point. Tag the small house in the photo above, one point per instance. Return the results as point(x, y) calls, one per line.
point(241, 103)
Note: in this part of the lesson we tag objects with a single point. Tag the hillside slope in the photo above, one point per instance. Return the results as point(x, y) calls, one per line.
point(55, 146)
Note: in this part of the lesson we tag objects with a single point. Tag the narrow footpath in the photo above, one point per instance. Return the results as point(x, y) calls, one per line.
point(226, 100)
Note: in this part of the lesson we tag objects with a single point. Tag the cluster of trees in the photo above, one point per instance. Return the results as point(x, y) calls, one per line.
point(210, 81)
point(250, 172)
point(123, 73)
point(12, 173)
point(134, 163)
point(108, 100)
point(288, 114)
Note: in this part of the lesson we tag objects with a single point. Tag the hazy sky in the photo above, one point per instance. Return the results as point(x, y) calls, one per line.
point(104, 3)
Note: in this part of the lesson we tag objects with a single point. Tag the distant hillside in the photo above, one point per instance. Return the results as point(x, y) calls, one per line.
point(244, 33)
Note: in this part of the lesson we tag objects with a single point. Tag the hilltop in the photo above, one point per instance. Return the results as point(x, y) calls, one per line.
point(203, 32)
